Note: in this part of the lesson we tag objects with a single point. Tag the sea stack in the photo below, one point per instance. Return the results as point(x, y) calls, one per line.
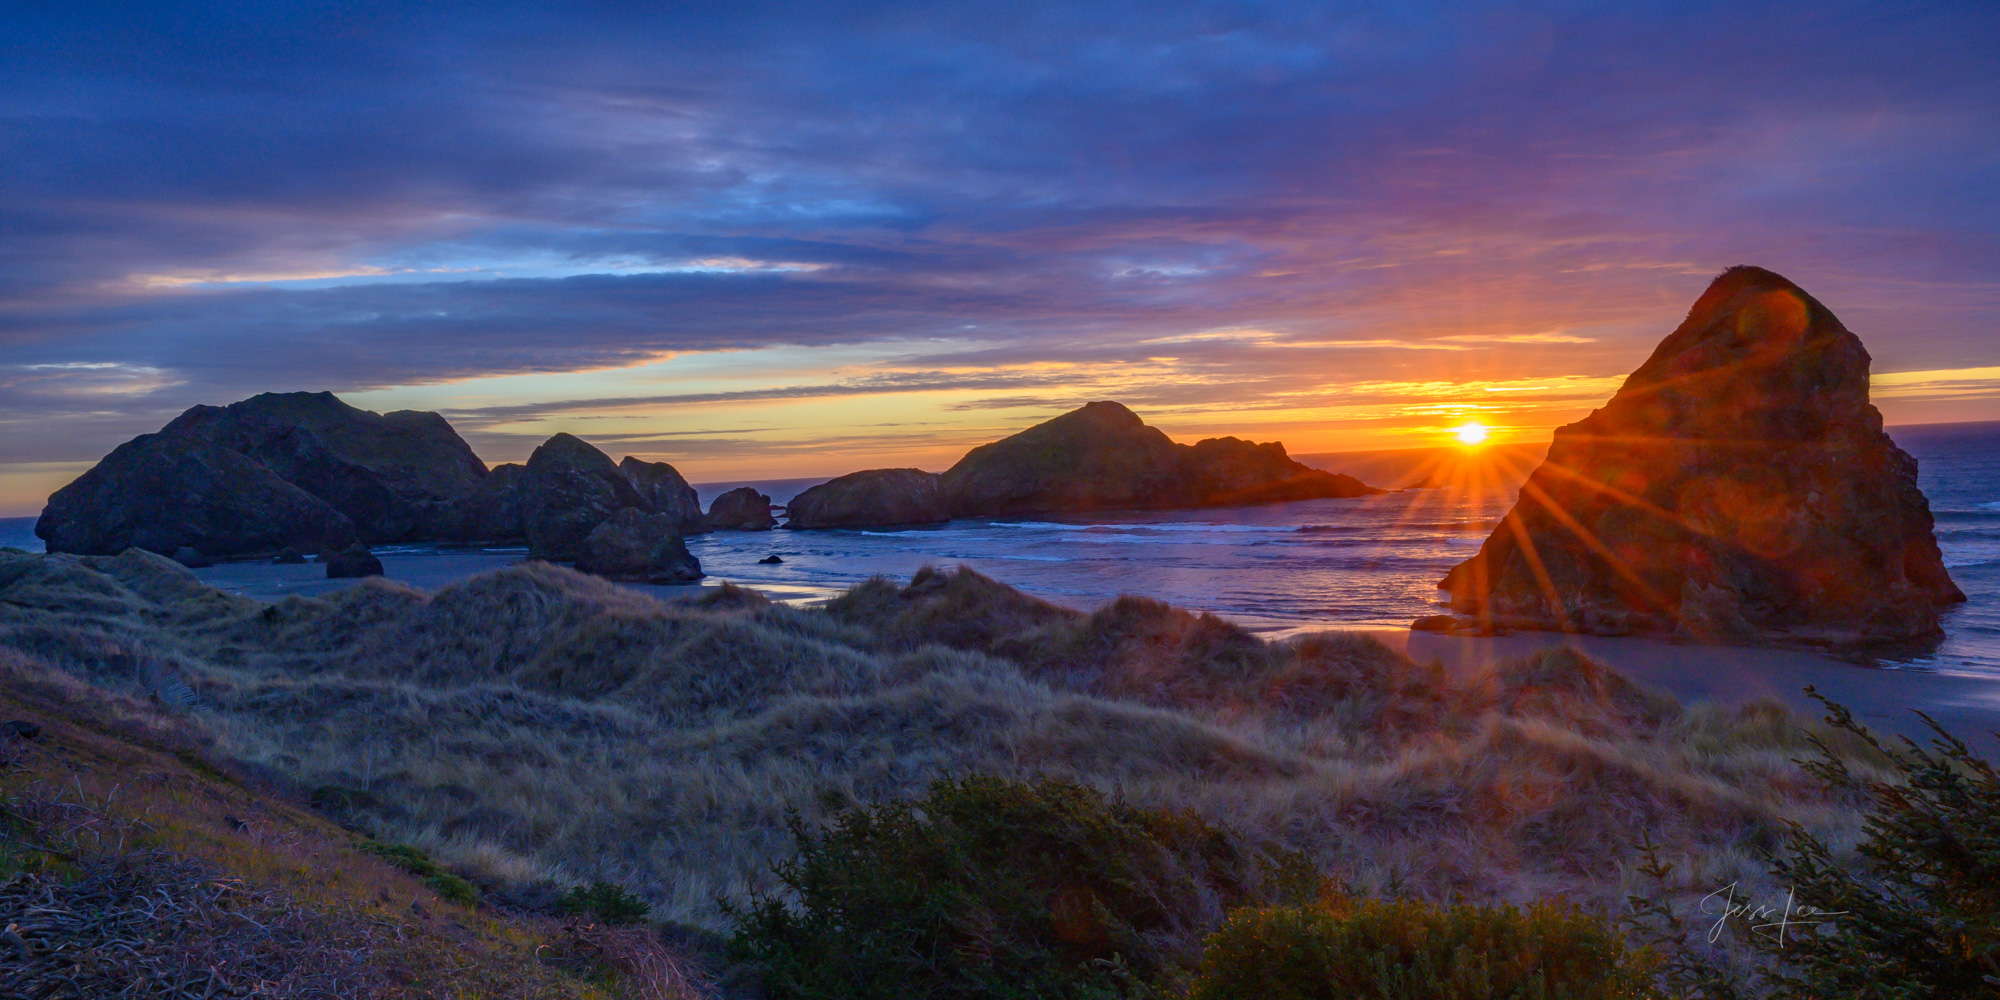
point(875, 498)
point(568, 488)
point(1103, 457)
point(298, 469)
point(741, 509)
point(1738, 488)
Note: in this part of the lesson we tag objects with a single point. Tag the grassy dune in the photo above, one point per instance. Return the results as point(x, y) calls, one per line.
point(537, 729)
point(131, 864)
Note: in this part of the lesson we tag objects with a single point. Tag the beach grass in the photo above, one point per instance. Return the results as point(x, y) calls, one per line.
point(542, 730)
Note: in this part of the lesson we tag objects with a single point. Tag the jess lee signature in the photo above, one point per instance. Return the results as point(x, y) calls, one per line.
point(1770, 920)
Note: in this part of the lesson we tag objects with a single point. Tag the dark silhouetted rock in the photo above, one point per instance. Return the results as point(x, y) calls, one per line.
point(770, 560)
point(289, 556)
point(391, 474)
point(878, 497)
point(741, 509)
point(160, 492)
point(1098, 457)
point(1739, 487)
point(638, 547)
point(191, 557)
point(570, 488)
point(666, 492)
point(1227, 470)
point(352, 561)
point(495, 512)
point(1103, 457)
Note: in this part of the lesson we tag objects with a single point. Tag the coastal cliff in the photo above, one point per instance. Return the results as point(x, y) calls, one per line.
point(1738, 487)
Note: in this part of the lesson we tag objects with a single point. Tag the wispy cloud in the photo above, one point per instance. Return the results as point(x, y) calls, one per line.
point(1268, 203)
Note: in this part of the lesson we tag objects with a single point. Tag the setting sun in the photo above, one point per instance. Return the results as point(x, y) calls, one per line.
point(1470, 434)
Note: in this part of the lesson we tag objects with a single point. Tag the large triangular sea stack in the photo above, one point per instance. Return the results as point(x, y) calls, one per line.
point(1739, 487)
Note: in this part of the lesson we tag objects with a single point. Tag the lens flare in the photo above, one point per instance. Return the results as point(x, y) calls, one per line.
point(1470, 434)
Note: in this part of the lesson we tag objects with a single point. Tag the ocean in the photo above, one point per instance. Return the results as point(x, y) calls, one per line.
point(1315, 564)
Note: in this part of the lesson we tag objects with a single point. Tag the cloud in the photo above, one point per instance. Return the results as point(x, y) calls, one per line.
point(1277, 197)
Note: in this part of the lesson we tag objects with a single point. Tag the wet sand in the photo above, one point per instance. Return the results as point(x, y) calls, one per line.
point(1885, 700)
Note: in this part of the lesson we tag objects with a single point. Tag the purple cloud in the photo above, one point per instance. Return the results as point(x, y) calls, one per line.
point(518, 189)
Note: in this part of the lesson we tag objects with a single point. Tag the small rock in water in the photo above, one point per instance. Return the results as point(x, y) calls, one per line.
point(770, 560)
point(289, 556)
point(353, 561)
point(191, 557)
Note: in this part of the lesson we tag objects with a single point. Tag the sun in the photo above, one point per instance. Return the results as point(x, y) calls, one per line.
point(1470, 434)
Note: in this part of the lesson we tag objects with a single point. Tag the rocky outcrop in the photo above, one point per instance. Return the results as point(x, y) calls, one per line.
point(635, 546)
point(1103, 457)
point(495, 512)
point(1739, 487)
point(351, 562)
point(385, 477)
point(876, 498)
point(1226, 471)
point(741, 509)
point(568, 489)
point(390, 473)
point(162, 492)
point(666, 492)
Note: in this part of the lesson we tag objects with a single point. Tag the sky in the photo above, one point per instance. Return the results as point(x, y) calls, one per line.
point(773, 240)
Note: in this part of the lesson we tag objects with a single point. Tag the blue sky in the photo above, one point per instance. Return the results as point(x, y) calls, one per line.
point(768, 240)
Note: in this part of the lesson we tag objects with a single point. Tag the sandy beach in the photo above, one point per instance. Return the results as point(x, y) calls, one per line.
point(1886, 700)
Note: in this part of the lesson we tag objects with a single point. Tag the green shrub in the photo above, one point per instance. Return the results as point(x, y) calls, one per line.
point(1914, 914)
point(1409, 950)
point(416, 862)
point(609, 903)
point(1917, 915)
point(993, 888)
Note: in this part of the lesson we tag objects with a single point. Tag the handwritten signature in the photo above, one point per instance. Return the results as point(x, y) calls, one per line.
point(1762, 918)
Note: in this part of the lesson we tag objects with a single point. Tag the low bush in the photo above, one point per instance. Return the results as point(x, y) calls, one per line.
point(1411, 950)
point(995, 888)
point(416, 862)
point(609, 903)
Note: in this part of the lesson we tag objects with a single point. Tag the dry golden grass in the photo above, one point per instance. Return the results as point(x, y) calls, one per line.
point(539, 728)
point(129, 861)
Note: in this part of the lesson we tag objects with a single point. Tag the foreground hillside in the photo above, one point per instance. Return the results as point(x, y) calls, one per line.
point(537, 729)
point(131, 865)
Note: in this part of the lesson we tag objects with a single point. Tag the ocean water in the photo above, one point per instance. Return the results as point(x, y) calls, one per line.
point(1958, 466)
point(1278, 568)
